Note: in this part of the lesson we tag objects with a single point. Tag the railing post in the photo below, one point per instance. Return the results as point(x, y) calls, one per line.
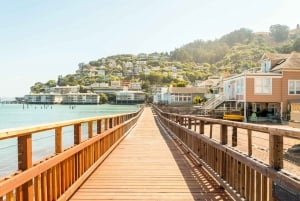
point(90, 129)
point(189, 122)
point(276, 151)
point(99, 126)
point(234, 136)
point(110, 122)
point(25, 162)
point(223, 133)
point(210, 130)
point(201, 129)
point(106, 124)
point(77, 133)
point(58, 140)
point(249, 132)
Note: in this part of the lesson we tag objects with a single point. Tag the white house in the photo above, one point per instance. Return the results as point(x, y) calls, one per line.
point(101, 72)
point(130, 97)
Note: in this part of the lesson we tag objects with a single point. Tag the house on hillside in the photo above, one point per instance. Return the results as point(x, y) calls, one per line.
point(267, 91)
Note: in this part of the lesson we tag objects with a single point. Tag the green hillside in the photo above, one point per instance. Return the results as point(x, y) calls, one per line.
point(232, 53)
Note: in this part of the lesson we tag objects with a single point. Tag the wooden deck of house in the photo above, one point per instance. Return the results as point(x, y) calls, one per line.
point(149, 165)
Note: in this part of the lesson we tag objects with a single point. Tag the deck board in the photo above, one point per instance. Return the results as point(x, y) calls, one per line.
point(149, 165)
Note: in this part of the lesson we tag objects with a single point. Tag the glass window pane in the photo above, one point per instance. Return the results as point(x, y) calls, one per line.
point(297, 87)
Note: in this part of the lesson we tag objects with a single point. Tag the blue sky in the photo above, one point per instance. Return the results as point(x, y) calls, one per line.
point(40, 40)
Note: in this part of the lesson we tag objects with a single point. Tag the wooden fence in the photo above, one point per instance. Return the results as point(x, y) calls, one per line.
point(241, 174)
point(58, 176)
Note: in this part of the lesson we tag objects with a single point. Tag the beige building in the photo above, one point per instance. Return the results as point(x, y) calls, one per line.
point(269, 90)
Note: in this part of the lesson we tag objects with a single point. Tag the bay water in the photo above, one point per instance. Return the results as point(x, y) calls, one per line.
point(14, 116)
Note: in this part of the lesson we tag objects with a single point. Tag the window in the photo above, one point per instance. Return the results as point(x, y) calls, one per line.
point(240, 86)
point(263, 85)
point(294, 87)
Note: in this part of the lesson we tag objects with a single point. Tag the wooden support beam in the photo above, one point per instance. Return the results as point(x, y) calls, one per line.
point(276, 151)
point(77, 133)
point(234, 136)
point(201, 129)
point(25, 162)
point(224, 134)
point(58, 140)
point(90, 129)
point(99, 126)
point(249, 132)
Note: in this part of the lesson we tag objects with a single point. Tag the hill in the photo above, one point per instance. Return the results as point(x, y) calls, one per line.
point(232, 53)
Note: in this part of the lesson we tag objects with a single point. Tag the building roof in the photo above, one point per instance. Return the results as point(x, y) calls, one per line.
point(187, 90)
point(276, 59)
point(291, 62)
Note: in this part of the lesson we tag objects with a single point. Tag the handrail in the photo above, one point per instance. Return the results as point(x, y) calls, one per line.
point(239, 173)
point(214, 102)
point(58, 176)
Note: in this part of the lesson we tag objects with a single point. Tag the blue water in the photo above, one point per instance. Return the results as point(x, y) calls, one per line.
point(18, 116)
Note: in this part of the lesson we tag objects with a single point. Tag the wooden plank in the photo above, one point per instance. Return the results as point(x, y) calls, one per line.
point(223, 134)
point(37, 189)
point(276, 151)
point(90, 129)
point(234, 136)
point(210, 130)
point(49, 185)
point(25, 162)
point(243, 179)
point(264, 188)
point(58, 140)
point(258, 187)
point(155, 168)
point(249, 132)
point(77, 133)
point(44, 188)
point(10, 196)
point(99, 126)
point(201, 129)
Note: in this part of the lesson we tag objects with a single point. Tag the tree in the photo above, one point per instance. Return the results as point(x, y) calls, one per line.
point(155, 77)
point(296, 45)
point(146, 85)
point(180, 84)
point(181, 55)
point(197, 99)
point(37, 87)
point(279, 32)
point(103, 98)
point(242, 35)
point(51, 83)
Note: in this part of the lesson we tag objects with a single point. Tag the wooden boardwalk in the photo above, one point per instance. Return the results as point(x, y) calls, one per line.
point(149, 165)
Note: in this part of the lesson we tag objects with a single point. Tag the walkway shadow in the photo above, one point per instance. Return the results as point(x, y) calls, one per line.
point(201, 184)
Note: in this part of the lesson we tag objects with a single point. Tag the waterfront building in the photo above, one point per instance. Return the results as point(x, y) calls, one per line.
point(43, 98)
point(160, 95)
point(81, 98)
point(269, 90)
point(130, 97)
point(184, 95)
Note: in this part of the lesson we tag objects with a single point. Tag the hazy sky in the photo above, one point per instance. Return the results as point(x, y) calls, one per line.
point(40, 40)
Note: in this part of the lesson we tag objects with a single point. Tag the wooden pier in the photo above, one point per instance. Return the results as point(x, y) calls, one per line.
point(155, 155)
point(149, 165)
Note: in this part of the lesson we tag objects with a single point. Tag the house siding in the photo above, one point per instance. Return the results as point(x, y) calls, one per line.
point(274, 97)
point(288, 75)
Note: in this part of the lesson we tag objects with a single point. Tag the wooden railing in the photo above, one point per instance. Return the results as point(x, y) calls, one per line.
point(240, 173)
point(59, 175)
